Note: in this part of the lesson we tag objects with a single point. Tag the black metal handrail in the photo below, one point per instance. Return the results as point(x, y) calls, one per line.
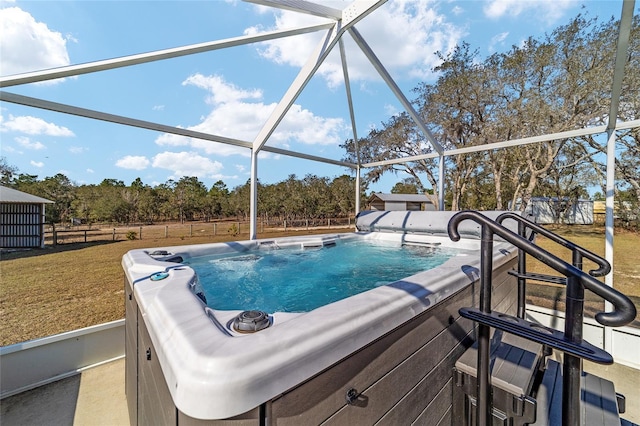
point(576, 281)
point(624, 310)
point(604, 266)
point(577, 254)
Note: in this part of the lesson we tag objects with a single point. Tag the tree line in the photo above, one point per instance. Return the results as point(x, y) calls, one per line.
point(187, 199)
point(560, 82)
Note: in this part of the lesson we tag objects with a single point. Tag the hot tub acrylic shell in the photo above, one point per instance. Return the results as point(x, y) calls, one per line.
point(213, 372)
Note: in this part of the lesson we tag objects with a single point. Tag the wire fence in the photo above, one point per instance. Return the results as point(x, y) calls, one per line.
point(58, 234)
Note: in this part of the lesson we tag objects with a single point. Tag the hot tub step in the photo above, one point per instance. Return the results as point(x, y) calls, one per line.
point(318, 243)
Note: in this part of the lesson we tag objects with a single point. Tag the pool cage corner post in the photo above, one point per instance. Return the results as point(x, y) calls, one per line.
point(441, 183)
point(357, 190)
point(609, 228)
point(622, 48)
point(253, 203)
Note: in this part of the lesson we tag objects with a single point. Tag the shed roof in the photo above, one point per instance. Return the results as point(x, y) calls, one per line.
point(9, 195)
point(411, 198)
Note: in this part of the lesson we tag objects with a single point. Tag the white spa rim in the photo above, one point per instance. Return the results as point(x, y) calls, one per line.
point(214, 373)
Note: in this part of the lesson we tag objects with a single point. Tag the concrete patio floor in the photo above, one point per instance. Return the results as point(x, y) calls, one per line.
point(96, 397)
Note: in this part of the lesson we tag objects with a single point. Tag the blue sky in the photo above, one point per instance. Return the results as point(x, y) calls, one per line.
point(228, 92)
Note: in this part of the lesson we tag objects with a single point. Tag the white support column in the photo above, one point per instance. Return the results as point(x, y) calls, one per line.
point(253, 203)
point(441, 183)
point(357, 190)
point(622, 46)
point(609, 228)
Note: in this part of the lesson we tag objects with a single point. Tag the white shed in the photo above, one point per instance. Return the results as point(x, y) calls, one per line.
point(21, 219)
point(404, 202)
point(548, 210)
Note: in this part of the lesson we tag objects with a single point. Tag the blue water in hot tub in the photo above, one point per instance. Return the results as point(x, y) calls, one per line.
point(300, 280)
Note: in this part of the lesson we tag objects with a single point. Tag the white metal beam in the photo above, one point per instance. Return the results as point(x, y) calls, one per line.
point(118, 119)
point(347, 87)
point(621, 60)
point(352, 116)
point(274, 150)
point(142, 124)
point(125, 61)
point(302, 7)
point(309, 69)
point(616, 88)
point(304, 76)
point(357, 10)
point(253, 197)
point(509, 143)
point(394, 88)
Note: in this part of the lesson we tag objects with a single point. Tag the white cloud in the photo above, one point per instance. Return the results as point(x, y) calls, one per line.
point(90, 171)
point(545, 9)
point(234, 118)
point(404, 35)
point(188, 164)
point(497, 39)
point(28, 45)
point(158, 108)
point(78, 149)
point(33, 126)
point(25, 142)
point(220, 90)
point(133, 162)
point(38, 164)
point(457, 10)
point(390, 110)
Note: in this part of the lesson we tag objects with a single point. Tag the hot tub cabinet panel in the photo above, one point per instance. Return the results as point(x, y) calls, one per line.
point(383, 356)
point(155, 405)
point(398, 376)
point(131, 352)
point(402, 377)
point(148, 398)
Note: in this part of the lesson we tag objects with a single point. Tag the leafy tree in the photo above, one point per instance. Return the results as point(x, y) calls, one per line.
point(342, 193)
point(83, 205)
point(407, 186)
point(218, 200)
point(60, 190)
point(7, 172)
point(110, 205)
point(398, 138)
point(239, 200)
point(189, 194)
point(559, 82)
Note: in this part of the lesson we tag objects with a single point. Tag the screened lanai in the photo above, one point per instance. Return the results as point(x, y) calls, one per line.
point(339, 24)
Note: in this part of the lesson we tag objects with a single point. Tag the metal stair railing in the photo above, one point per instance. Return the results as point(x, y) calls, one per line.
point(578, 253)
point(571, 344)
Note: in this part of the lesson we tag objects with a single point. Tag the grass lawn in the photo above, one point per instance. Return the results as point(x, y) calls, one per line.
point(70, 286)
point(57, 289)
point(626, 268)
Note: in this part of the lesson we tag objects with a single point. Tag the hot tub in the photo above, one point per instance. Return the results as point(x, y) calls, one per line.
point(356, 359)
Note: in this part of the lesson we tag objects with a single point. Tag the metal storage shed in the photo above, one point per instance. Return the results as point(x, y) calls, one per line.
point(408, 202)
point(21, 219)
point(547, 210)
